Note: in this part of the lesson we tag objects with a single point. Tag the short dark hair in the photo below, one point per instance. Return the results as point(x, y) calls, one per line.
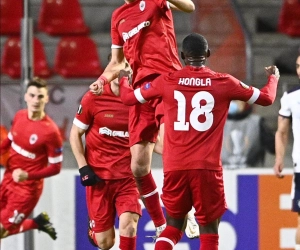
point(37, 82)
point(195, 45)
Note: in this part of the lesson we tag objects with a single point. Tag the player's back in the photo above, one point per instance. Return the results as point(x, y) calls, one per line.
point(196, 102)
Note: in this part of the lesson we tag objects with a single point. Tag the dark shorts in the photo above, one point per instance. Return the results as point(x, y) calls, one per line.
point(106, 199)
point(142, 122)
point(296, 193)
point(201, 188)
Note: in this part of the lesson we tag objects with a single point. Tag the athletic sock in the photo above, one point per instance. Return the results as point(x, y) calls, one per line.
point(209, 241)
point(150, 197)
point(127, 243)
point(28, 224)
point(168, 238)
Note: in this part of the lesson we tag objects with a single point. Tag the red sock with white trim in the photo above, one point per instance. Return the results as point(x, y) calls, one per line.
point(209, 241)
point(127, 243)
point(150, 197)
point(168, 238)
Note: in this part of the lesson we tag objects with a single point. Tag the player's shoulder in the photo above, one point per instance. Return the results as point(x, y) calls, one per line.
point(21, 112)
point(294, 90)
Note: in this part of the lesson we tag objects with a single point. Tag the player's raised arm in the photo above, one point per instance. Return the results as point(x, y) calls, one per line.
point(140, 95)
point(267, 94)
point(111, 71)
point(183, 5)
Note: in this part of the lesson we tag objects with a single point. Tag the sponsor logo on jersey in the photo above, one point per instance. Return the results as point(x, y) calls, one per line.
point(245, 86)
point(135, 30)
point(33, 138)
point(109, 115)
point(142, 5)
point(109, 132)
point(79, 110)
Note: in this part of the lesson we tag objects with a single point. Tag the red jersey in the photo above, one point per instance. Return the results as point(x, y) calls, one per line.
point(145, 30)
point(196, 102)
point(105, 119)
point(34, 145)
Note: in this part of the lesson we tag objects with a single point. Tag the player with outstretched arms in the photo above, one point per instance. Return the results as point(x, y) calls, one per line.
point(196, 101)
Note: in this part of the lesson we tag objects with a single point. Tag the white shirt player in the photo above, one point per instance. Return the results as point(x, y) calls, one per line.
point(290, 107)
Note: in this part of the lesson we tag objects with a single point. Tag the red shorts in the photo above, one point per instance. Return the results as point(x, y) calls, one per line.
point(201, 188)
point(142, 122)
point(106, 199)
point(15, 207)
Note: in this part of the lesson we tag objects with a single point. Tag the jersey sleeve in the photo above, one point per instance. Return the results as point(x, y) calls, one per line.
point(116, 39)
point(140, 95)
point(284, 107)
point(84, 115)
point(54, 149)
point(265, 96)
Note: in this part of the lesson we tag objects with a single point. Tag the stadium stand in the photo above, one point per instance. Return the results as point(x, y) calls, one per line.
point(77, 56)
point(11, 58)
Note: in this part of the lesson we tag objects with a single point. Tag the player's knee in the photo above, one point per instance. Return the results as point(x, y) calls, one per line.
point(105, 243)
point(128, 230)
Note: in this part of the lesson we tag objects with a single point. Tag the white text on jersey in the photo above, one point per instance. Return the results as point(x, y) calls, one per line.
point(107, 131)
point(135, 30)
point(195, 82)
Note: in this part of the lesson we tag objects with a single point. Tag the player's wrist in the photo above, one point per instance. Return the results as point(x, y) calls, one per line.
point(103, 79)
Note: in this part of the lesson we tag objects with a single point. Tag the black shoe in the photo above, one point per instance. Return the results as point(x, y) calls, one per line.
point(90, 234)
point(45, 225)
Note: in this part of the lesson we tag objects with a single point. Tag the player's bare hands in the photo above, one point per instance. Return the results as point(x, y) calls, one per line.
point(272, 70)
point(278, 167)
point(97, 87)
point(19, 175)
point(125, 73)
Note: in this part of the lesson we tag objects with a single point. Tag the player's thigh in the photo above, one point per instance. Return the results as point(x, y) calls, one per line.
point(142, 124)
point(17, 209)
point(176, 194)
point(127, 197)
point(101, 206)
point(208, 194)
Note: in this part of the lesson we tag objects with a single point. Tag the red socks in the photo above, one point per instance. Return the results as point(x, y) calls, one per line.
point(168, 238)
point(127, 243)
point(209, 241)
point(28, 224)
point(150, 197)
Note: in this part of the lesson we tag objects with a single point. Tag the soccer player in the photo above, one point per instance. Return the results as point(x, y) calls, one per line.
point(143, 33)
point(104, 167)
point(35, 152)
point(289, 114)
point(196, 101)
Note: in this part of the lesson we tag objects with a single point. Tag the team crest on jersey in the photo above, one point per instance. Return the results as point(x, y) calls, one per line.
point(245, 86)
point(142, 5)
point(33, 138)
point(79, 110)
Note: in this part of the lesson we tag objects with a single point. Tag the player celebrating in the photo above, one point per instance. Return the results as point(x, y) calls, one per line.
point(142, 31)
point(35, 146)
point(196, 101)
point(104, 166)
